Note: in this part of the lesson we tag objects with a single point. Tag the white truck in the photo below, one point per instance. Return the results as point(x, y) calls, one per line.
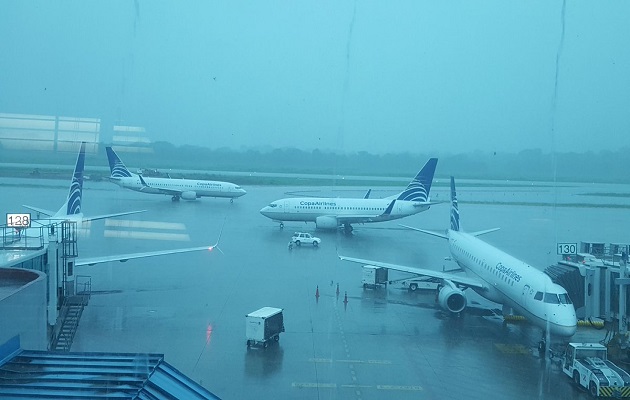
point(374, 277)
point(264, 325)
point(587, 364)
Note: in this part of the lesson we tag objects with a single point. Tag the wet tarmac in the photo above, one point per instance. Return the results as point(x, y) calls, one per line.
point(387, 343)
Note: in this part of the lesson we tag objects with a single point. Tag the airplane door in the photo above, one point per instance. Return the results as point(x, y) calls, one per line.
point(525, 295)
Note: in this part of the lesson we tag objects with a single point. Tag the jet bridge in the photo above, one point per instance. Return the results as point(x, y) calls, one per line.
point(597, 280)
point(51, 249)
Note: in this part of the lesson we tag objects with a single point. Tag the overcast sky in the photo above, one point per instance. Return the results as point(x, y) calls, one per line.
point(377, 76)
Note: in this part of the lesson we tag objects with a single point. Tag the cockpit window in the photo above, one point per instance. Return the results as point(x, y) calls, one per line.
point(538, 296)
point(273, 205)
point(564, 298)
point(552, 298)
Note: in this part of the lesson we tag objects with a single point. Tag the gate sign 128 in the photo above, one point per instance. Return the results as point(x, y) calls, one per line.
point(19, 220)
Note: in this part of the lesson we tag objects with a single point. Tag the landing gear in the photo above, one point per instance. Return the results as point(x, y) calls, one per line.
point(281, 225)
point(175, 198)
point(347, 228)
point(231, 201)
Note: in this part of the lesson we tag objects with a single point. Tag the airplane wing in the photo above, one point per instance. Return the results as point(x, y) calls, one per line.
point(365, 217)
point(126, 257)
point(462, 280)
point(104, 216)
point(172, 192)
point(427, 203)
point(438, 234)
point(354, 219)
point(131, 256)
point(479, 233)
point(444, 236)
point(83, 219)
point(40, 210)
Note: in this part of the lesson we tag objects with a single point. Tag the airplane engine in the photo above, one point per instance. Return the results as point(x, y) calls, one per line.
point(326, 222)
point(452, 298)
point(189, 195)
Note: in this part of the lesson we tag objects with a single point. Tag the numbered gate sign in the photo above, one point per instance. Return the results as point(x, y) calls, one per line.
point(18, 220)
point(566, 248)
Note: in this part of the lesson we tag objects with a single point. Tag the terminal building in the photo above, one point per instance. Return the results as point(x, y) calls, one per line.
point(41, 302)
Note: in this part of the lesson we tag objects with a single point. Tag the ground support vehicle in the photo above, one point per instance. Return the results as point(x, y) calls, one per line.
point(413, 284)
point(264, 325)
point(374, 277)
point(300, 238)
point(588, 365)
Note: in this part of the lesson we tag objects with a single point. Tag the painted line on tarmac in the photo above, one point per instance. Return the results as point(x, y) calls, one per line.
point(347, 361)
point(517, 349)
point(314, 385)
point(396, 387)
point(356, 386)
point(127, 223)
point(306, 385)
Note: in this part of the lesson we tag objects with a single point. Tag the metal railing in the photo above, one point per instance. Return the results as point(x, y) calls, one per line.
point(22, 239)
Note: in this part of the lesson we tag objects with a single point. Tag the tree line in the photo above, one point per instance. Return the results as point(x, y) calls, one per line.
point(532, 164)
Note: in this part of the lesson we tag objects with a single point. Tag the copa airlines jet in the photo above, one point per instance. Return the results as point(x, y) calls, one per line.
point(497, 276)
point(71, 211)
point(335, 212)
point(187, 189)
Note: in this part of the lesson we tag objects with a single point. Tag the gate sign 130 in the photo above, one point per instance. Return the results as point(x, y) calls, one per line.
point(566, 248)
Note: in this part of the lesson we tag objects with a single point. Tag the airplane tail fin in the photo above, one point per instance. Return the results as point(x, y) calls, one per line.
point(116, 166)
point(418, 189)
point(454, 207)
point(455, 224)
point(72, 205)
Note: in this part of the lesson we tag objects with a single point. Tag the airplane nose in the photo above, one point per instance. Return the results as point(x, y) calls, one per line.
point(565, 327)
point(265, 211)
point(565, 330)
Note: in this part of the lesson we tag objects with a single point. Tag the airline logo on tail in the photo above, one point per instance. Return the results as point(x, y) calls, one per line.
point(454, 207)
point(116, 166)
point(418, 189)
point(76, 186)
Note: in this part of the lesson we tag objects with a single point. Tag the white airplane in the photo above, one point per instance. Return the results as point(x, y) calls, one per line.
point(71, 209)
point(497, 276)
point(335, 212)
point(187, 189)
